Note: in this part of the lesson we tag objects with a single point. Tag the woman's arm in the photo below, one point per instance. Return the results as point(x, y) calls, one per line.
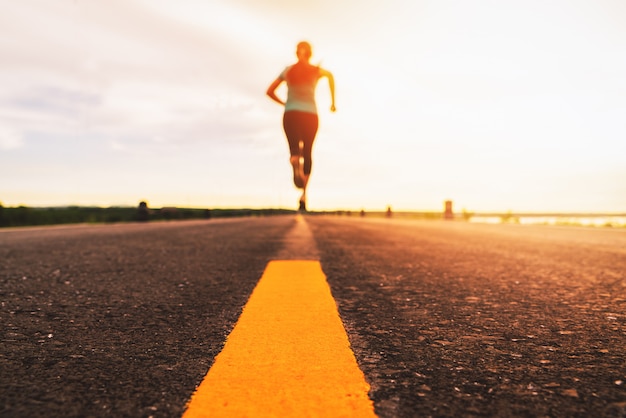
point(271, 91)
point(331, 86)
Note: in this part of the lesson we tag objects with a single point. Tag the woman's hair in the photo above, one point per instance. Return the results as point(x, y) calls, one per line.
point(302, 72)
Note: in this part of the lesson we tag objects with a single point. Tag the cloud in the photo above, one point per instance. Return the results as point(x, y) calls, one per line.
point(119, 80)
point(128, 71)
point(9, 139)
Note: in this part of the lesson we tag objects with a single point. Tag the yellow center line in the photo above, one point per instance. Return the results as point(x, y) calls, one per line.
point(288, 355)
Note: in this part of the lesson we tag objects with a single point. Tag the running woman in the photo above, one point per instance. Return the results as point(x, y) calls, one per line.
point(300, 120)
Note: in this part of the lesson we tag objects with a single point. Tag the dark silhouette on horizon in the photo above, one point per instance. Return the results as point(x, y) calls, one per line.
point(300, 119)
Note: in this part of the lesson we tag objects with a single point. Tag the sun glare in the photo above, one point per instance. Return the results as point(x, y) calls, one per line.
point(497, 106)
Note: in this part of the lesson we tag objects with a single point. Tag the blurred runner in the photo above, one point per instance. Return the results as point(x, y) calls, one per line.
point(300, 120)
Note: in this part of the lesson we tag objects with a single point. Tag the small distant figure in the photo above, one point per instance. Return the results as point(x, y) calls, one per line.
point(448, 214)
point(389, 213)
point(143, 212)
point(300, 120)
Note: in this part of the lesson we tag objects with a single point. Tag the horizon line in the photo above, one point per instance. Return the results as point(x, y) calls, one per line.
point(472, 213)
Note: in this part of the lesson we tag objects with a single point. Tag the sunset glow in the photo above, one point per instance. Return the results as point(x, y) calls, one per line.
point(497, 106)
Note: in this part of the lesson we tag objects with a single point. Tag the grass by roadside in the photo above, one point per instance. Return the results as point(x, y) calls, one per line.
point(34, 216)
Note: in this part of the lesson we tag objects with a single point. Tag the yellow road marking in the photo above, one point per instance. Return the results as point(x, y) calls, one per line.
point(288, 355)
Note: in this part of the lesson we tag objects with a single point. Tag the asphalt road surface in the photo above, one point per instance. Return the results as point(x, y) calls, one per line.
point(444, 318)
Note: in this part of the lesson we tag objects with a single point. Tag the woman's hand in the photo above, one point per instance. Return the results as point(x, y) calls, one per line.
point(271, 91)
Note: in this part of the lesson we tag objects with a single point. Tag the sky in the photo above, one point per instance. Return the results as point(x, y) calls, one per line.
point(496, 105)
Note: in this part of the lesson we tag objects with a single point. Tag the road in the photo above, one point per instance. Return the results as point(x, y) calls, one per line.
point(444, 318)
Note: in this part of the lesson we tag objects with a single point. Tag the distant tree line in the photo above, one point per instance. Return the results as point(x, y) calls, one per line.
point(31, 216)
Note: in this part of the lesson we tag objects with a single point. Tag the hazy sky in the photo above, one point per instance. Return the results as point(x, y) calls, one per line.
point(497, 105)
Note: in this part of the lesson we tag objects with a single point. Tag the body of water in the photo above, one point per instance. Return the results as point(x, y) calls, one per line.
point(565, 220)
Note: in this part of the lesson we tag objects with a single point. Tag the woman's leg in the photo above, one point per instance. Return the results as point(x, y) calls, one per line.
point(309, 127)
point(309, 130)
point(291, 126)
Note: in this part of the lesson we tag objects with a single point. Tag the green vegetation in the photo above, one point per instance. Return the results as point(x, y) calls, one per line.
point(29, 216)
point(32, 216)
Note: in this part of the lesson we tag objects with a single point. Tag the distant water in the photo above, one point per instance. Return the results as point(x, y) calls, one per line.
point(595, 221)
